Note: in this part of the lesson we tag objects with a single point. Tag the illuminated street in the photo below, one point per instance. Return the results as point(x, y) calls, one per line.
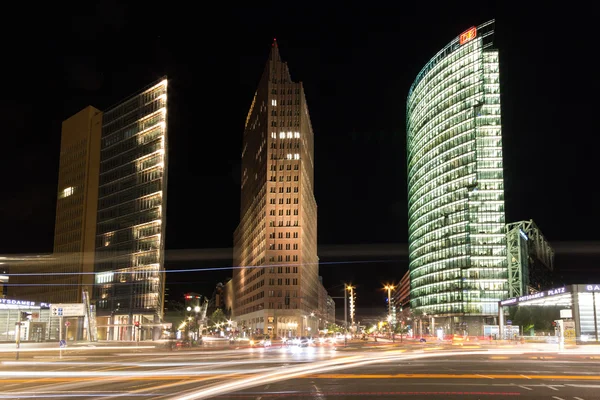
point(435, 371)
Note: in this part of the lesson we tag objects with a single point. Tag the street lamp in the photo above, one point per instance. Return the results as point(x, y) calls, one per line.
point(389, 289)
point(348, 288)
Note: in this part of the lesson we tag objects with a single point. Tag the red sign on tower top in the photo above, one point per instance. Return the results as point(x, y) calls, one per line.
point(468, 35)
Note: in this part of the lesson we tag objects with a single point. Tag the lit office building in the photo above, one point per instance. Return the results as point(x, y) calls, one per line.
point(129, 268)
point(275, 243)
point(457, 242)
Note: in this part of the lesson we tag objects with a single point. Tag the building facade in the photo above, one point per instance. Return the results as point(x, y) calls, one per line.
point(330, 318)
point(401, 296)
point(30, 276)
point(275, 244)
point(457, 243)
point(321, 313)
point(129, 263)
point(61, 278)
point(76, 207)
point(218, 300)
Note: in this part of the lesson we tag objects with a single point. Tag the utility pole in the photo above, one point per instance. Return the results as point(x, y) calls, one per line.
point(60, 329)
point(18, 334)
point(345, 315)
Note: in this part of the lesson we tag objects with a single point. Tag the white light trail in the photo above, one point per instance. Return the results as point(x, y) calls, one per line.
point(67, 349)
point(281, 374)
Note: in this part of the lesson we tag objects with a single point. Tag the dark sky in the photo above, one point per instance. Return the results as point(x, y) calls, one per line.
point(357, 61)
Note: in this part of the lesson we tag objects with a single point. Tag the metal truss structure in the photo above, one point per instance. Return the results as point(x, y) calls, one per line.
point(524, 239)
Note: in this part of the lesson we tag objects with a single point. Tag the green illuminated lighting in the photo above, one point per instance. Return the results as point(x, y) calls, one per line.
point(457, 243)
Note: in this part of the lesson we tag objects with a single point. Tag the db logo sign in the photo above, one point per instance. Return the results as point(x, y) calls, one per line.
point(468, 35)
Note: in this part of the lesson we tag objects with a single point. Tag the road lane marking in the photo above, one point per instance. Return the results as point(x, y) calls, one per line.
point(577, 398)
point(526, 377)
point(557, 398)
point(525, 387)
point(584, 386)
point(485, 376)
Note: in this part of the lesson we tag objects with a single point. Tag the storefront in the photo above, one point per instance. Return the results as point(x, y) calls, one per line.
point(136, 327)
point(580, 305)
point(37, 324)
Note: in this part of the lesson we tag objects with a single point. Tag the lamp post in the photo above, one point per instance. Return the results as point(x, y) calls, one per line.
point(197, 310)
point(348, 288)
point(391, 324)
point(389, 289)
point(345, 315)
point(187, 326)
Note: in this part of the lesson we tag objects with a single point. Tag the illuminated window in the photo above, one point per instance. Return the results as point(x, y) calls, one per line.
point(67, 192)
point(289, 135)
point(274, 135)
point(297, 135)
point(281, 135)
point(273, 102)
point(107, 238)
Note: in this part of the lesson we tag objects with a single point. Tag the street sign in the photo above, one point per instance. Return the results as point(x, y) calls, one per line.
point(67, 323)
point(62, 343)
point(68, 310)
point(508, 322)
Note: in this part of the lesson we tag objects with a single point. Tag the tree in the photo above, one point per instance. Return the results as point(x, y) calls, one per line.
point(218, 316)
point(401, 329)
point(333, 328)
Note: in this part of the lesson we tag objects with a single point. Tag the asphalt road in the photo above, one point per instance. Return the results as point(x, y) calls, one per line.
point(312, 373)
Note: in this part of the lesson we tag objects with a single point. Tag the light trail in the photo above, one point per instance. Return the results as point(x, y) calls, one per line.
point(153, 364)
point(124, 374)
point(63, 395)
point(312, 370)
point(238, 379)
point(67, 349)
point(454, 376)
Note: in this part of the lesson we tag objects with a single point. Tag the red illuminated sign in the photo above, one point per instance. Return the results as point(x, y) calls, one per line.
point(468, 35)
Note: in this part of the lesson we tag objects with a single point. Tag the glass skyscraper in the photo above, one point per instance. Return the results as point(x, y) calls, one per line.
point(457, 243)
point(129, 286)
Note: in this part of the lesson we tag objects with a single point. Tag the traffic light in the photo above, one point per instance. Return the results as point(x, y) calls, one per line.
point(137, 324)
point(25, 316)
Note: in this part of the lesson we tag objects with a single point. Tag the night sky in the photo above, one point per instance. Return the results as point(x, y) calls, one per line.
point(357, 62)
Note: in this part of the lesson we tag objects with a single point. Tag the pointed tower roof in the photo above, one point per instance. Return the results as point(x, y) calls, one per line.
point(274, 55)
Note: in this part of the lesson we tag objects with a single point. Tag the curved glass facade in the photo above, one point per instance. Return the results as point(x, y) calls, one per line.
point(457, 246)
